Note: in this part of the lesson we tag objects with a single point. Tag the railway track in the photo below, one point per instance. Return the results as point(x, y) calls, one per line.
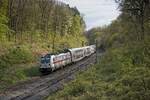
point(40, 88)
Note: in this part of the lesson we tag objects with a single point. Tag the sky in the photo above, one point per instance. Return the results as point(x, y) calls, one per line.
point(95, 12)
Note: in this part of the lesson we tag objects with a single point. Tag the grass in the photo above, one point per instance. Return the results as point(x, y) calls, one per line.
point(18, 73)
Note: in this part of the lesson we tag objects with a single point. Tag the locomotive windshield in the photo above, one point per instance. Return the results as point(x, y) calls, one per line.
point(46, 58)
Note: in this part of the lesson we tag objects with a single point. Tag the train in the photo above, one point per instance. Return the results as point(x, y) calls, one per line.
point(51, 62)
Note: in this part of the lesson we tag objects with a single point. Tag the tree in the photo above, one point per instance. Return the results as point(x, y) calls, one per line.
point(3, 20)
point(138, 10)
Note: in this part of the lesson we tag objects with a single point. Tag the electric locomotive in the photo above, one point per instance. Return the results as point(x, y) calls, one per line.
point(50, 62)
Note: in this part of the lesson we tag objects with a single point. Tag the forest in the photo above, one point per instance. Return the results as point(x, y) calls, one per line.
point(30, 28)
point(123, 72)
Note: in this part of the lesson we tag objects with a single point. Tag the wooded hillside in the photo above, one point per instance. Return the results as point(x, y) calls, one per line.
point(38, 20)
point(30, 28)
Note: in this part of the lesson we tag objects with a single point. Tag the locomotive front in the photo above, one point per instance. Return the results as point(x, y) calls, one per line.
point(45, 65)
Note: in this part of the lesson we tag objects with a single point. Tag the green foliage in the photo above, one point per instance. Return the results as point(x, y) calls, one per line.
point(3, 20)
point(10, 70)
point(42, 21)
point(17, 56)
point(37, 27)
point(115, 77)
point(76, 89)
point(31, 72)
point(17, 73)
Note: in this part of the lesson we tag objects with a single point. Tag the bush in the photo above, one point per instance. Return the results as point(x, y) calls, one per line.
point(19, 55)
point(16, 56)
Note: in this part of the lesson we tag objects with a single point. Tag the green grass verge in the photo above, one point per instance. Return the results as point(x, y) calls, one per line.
point(18, 73)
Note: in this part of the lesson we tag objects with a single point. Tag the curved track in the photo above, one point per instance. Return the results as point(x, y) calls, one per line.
point(41, 87)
